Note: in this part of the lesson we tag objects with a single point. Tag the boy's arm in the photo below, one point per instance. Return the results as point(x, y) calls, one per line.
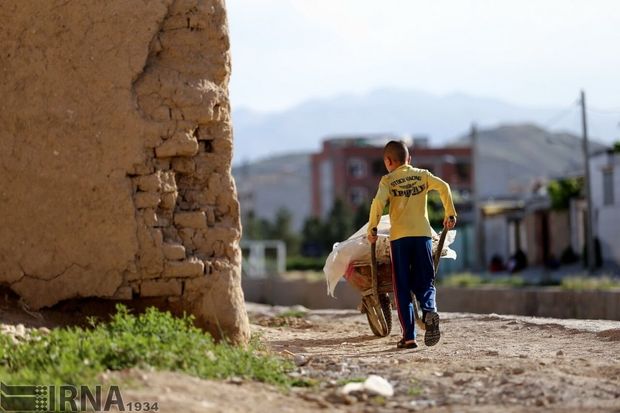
point(376, 208)
point(441, 186)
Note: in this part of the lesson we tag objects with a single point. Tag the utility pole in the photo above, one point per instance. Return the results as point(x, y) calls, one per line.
point(477, 206)
point(586, 158)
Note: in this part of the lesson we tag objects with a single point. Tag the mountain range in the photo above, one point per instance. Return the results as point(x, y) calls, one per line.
point(441, 118)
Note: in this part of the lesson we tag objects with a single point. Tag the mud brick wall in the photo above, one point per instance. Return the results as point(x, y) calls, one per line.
point(115, 151)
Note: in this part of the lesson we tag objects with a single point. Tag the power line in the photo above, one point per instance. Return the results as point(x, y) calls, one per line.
point(604, 112)
point(561, 115)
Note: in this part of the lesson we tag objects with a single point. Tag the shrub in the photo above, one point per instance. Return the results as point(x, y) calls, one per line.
point(581, 283)
point(298, 263)
point(75, 355)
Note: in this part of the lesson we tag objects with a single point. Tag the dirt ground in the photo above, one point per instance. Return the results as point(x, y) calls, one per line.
point(483, 363)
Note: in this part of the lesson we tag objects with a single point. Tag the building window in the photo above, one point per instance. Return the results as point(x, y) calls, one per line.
point(378, 167)
point(356, 167)
point(358, 195)
point(463, 170)
point(608, 187)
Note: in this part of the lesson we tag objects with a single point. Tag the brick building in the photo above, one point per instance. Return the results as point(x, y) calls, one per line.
point(350, 168)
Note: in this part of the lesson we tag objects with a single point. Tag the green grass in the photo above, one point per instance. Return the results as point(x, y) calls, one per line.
point(416, 388)
point(292, 314)
point(470, 280)
point(462, 280)
point(299, 263)
point(573, 283)
point(584, 283)
point(153, 339)
point(342, 382)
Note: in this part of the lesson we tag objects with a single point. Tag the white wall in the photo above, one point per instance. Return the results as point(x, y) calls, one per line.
point(606, 217)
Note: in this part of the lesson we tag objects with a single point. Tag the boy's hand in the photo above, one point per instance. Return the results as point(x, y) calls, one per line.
point(372, 236)
point(449, 222)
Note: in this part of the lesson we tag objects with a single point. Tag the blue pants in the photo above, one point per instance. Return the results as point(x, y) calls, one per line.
point(412, 272)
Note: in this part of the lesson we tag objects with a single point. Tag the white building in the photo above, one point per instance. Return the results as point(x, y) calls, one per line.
point(605, 190)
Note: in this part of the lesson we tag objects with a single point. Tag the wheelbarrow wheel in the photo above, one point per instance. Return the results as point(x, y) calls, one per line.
point(373, 318)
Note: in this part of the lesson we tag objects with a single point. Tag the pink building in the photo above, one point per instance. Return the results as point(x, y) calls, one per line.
point(350, 168)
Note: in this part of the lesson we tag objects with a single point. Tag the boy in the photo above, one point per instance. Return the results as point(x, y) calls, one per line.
point(406, 188)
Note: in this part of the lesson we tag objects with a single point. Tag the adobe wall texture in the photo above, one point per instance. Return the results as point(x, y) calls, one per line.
point(115, 151)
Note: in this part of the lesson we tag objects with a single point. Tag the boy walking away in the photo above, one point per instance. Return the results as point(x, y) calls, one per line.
point(406, 188)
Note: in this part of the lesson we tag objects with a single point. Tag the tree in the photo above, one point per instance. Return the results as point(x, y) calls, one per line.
point(562, 190)
point(339, 224)
point(253, 227)
point(313, 238)
point(282, 229)
point(361, 216)
point(435, 210)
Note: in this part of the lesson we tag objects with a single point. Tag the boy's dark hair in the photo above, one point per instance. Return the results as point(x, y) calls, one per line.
point(397, 151)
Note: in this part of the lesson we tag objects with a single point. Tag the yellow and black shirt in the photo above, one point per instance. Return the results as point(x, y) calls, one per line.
point(406, 190)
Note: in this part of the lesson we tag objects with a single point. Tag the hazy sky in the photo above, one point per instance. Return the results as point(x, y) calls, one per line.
point(532, 52)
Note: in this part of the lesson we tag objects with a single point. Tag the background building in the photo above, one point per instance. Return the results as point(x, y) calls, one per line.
point(350, 167)
point(605, 186)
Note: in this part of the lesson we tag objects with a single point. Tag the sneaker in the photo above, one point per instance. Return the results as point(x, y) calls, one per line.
point(432, 334)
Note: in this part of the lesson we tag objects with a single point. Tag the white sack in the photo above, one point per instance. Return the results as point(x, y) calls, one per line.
point(357, 249)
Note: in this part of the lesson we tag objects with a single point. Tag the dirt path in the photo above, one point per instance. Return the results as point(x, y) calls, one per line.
point(482, 364)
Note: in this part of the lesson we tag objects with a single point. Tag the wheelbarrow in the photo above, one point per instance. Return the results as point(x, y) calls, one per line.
point(374, 282)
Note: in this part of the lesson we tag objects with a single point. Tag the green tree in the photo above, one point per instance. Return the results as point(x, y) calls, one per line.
point(361, 216)
point(282, 229)
point(313, 237)
point(255, 228)
point(562, 190)
point(435, 210)
point(339, 223)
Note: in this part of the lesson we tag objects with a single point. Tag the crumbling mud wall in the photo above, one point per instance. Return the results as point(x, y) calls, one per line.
point(115, 151)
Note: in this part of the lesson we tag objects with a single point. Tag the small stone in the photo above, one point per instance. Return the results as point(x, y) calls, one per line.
point(183, 165)
point(168, 182)
point(352, 387)
point(146, 199)
point(150, 217)
point(377, 385)
point(186, 268)
point(236, 380)
point(20, 330)
point(559, 353)
point(148, 183)
point(162, 164)
point(180, 144)
point(300, 360)
point(518, 370)
point(168, 200)
point(196, 219)
point(173, 252)
point(417, 405)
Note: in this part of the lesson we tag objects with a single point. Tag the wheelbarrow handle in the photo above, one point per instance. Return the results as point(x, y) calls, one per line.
point(442, 240)
point(373, 266)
